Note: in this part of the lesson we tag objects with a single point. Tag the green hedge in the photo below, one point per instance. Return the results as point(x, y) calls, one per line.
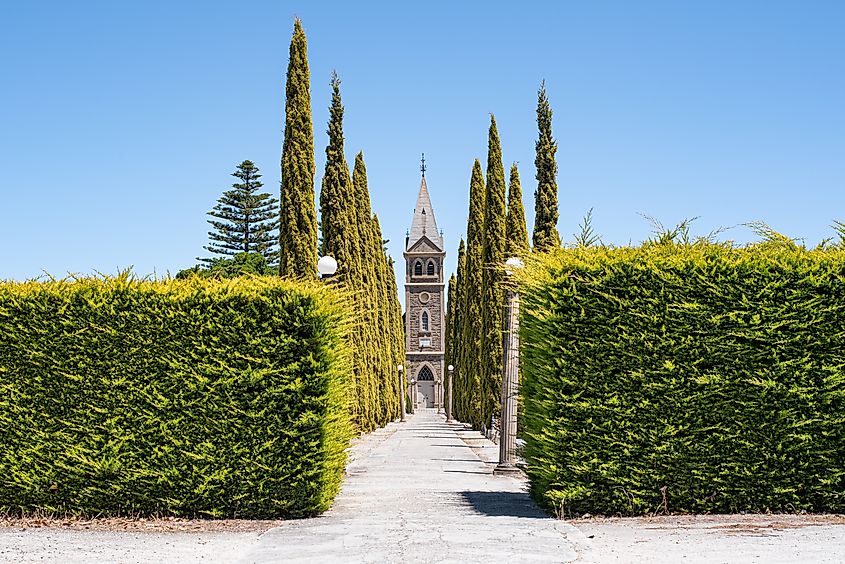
point(194, 397)
point(688, 378)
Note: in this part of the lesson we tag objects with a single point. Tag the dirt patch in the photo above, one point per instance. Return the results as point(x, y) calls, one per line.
point(725, 524)
point(702, 539)
point(139, 525)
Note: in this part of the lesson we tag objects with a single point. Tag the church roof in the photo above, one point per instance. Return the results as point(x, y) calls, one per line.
point(424, 224)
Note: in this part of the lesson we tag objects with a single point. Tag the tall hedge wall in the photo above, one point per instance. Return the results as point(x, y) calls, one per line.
point(196, 397)
point(685, 378)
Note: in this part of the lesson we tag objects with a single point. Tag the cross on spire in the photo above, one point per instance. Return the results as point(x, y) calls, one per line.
point(424, 224)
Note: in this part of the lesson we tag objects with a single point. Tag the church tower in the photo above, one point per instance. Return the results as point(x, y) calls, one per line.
point(424, 313)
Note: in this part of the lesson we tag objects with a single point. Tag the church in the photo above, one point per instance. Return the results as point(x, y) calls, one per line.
point(424, 311)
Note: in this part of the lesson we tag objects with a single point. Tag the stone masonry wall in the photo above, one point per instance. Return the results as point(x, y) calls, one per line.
point(434, 306)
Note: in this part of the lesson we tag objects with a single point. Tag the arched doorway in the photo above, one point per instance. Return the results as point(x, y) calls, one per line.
point(425, 387)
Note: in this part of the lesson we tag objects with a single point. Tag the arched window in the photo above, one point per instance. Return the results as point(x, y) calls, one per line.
point(425, 374)
point(424, 321)
point(430, 269)
point(418, 268)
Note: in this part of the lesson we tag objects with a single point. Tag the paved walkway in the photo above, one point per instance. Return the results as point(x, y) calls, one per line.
point(423, 491)
point(416, 492)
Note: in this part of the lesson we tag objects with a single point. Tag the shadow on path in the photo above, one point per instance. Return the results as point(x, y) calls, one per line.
point(504, 504)
point(451, 446)
point(422, 494)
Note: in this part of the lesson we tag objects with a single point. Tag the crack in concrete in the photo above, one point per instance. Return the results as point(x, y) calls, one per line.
point(420, 493)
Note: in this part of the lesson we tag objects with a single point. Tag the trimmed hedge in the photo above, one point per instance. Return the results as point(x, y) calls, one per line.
point(195, 397)
point(685, 378)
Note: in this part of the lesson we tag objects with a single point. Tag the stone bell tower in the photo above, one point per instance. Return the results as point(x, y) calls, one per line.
point(424, 313)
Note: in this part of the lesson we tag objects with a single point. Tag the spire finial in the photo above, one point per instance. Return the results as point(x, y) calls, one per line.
point(422, 165)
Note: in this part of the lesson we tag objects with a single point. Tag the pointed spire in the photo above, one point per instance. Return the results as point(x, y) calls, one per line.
point(424, 224)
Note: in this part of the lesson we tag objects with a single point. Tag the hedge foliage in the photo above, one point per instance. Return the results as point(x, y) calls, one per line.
point(182, 397)
point(700, 378)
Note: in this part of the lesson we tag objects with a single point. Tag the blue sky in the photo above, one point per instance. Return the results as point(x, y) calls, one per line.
point(120, 122)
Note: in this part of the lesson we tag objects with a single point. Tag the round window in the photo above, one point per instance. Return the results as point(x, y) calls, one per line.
point(424, 297)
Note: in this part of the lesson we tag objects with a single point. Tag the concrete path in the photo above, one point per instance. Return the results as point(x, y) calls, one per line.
point(423, 491)
point(418, 493)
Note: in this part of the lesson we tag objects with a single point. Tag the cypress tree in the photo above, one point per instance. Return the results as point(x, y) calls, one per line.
point(516, 243)
point(493, 291)
point(397, 326)
point(390, 323)
point(456, 326)
point(246, 220)
point(367, 292)
point(337, 213)
point(546, 236)
point(341, 238)
point(298, 227)
point(471, 360)
point(449, 340)
point(449, 335)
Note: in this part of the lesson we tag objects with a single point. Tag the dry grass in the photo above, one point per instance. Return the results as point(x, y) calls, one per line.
point(726, 524)
point(136, 523)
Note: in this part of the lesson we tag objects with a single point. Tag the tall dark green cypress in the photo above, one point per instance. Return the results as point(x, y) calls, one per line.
point(546, 236)
point(454, 307)
point(469, 373)
point(516, 243)
point(455, 327)
point(298, 227)
point(451, 296)
point(364, 284)
point(337, 211)
point(456, 320)
point(397, 324)
point(391, 326)
point(378, 304)
point(341, 237)
point(493, 291)
point(384, 362)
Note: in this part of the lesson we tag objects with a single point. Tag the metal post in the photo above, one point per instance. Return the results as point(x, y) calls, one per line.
point(401, 370)
point(449, 399)
point(510, 377)
point(413, 394)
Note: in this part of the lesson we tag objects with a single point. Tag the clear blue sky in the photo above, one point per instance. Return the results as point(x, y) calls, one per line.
point(120, 122)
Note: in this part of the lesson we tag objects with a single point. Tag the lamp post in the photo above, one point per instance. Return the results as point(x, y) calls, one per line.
point(413, 395)
point(450, 369)
point(510, 377)
point(401, 370)
point(327, 267)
